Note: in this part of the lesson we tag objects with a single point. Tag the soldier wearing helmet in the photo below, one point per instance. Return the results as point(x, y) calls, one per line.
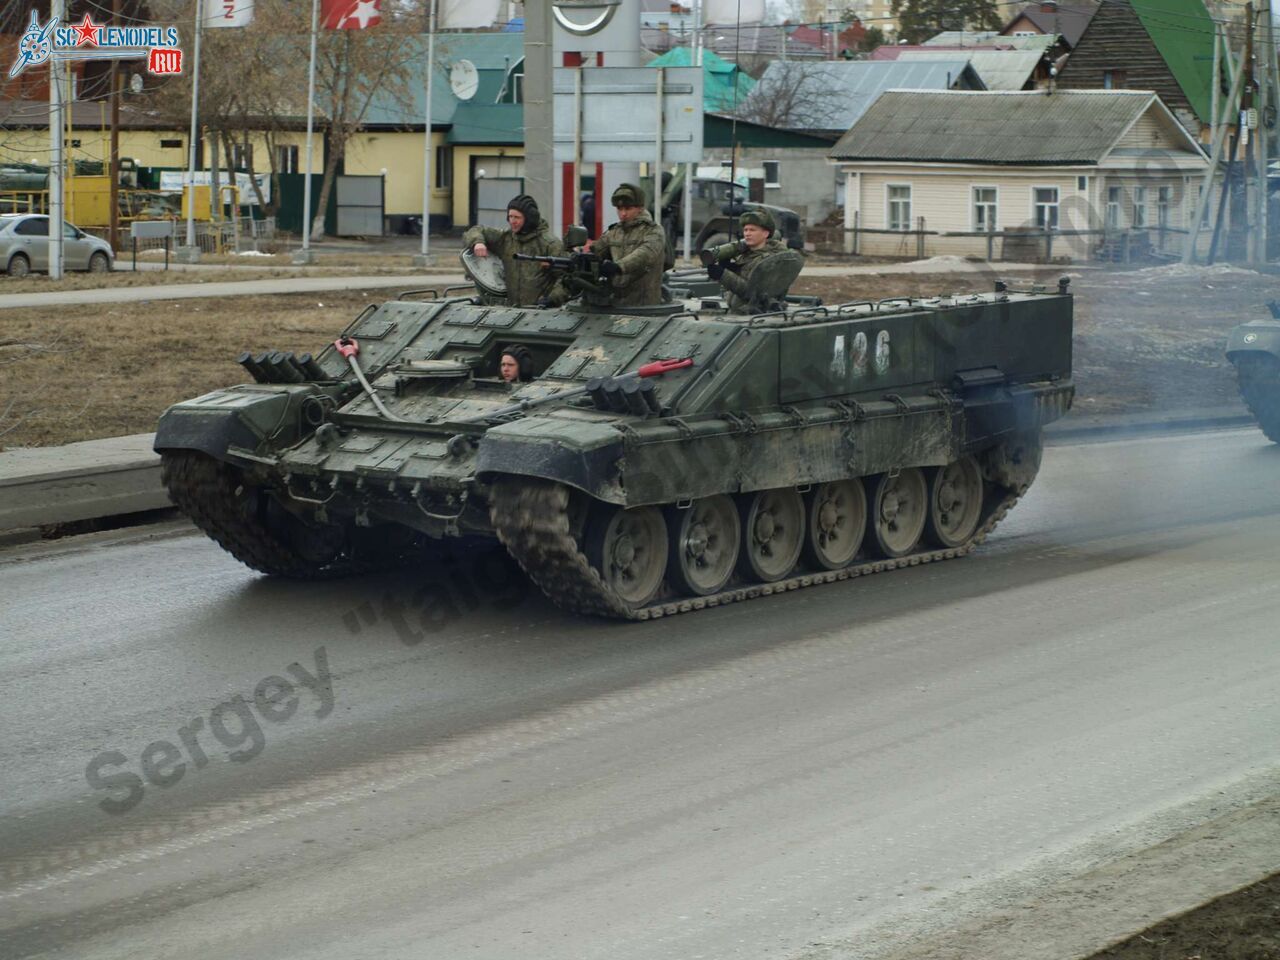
point(758, 277)
point(634, 250)
point(527, 283)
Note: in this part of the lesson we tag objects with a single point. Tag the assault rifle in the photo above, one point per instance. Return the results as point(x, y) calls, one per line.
point(585, 273)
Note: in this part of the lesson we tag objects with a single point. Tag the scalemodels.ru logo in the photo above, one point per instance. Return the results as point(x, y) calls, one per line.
point(96, 41)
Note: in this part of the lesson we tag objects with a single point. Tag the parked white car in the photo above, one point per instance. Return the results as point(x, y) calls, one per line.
point(24, 246)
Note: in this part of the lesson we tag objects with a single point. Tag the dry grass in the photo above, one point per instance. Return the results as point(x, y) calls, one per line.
point(78, 375)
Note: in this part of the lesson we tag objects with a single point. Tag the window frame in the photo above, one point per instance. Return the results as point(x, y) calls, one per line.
point(974, 204)
point(889, 203)
point(1139, 203)
point(776, 181)
point(442, 174)
point(1114, 208)
point(241, 156)
point(1164, 204)
point(1056, 205)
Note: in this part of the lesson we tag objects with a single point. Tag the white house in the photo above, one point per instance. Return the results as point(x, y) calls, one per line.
point(924, 168)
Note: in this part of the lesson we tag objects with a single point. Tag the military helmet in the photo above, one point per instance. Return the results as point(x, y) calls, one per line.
point(529, 207)
point(760, 218)
point(627, 195)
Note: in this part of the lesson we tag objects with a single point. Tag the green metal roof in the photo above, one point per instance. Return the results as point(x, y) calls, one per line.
point(1183, 32)
point(718, 77)
point(721, 131)
point(491, 53)
point(487, 123)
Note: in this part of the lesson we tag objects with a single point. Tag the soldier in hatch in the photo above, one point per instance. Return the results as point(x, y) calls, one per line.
point(634, 250)
point(754, 281)
point(528, 284)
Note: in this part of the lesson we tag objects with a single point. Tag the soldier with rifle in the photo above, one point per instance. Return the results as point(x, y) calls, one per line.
point(634, 251)
point(757, 271)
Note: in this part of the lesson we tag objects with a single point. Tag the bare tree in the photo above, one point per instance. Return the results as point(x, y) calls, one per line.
point(353, 69)
point(792, 95)
point(253, 84)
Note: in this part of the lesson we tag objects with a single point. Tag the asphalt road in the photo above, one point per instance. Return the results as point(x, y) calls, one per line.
point(459, 769)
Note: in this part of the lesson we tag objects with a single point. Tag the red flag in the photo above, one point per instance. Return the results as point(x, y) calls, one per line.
point(350, 14)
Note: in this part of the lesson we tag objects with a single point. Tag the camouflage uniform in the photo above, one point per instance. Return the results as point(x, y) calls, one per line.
point(741, 294)
point(737, 281)
point(639, 247)
point(526, 282)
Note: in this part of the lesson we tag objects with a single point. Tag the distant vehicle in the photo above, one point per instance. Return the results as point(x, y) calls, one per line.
point(716, 206)
point(1254, 349)
point(24, 246)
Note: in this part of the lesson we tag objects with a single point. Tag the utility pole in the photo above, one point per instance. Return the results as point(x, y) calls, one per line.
point(539, 167)
point(191, 253)
point(1263, 77)
point(1248, 111)
point(113, 234)
point(57, 108)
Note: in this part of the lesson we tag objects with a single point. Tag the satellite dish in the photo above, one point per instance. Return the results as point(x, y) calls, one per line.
point(464, 79)
point(135, 83)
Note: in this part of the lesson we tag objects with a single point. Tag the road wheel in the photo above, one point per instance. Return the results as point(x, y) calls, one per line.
point(837, 513)
point(629, 550)
point(19, 265)
point(99, 263)
point(955, 502)
point(898, 508)
point(704, 545)
point(772, 533)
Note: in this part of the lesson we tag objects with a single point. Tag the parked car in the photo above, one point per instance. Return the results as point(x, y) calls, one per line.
point(24, 246)
point(716, 205)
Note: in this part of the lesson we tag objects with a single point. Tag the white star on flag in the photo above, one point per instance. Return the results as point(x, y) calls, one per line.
point(350, 14)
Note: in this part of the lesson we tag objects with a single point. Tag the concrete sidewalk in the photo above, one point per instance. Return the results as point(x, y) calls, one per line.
point(230, 288)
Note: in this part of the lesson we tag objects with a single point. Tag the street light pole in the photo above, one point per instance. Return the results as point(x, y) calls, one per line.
point(57, 106)
point(305, 255)
point(191, 253)
point(424, 258)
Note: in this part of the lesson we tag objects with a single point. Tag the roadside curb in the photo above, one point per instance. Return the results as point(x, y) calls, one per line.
point(80, 481)
point(97, 479)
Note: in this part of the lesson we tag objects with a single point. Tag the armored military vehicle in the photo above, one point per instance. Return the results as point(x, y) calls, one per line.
point(1254, 349)
point(661, 459)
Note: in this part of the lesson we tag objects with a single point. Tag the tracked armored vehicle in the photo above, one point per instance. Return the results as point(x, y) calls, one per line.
point(1254, 349)
point(662, 459)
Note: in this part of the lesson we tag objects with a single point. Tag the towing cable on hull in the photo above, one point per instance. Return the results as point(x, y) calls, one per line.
point(349, 347)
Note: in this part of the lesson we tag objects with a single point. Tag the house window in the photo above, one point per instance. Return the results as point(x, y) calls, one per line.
point(1114, 79)
point(772, 173)
point(1114, 199)
point(241, 156)
point(985, 203)
point(899, 200)
point(1139, 208)
point(1045, 200)
point(1164, 200)
point(286, 159)
point(170, 144)
point(1082, 184)
point(444, 168)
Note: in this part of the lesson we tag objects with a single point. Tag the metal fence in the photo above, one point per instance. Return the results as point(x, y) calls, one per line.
point(220, 237)
point(1035, 243)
